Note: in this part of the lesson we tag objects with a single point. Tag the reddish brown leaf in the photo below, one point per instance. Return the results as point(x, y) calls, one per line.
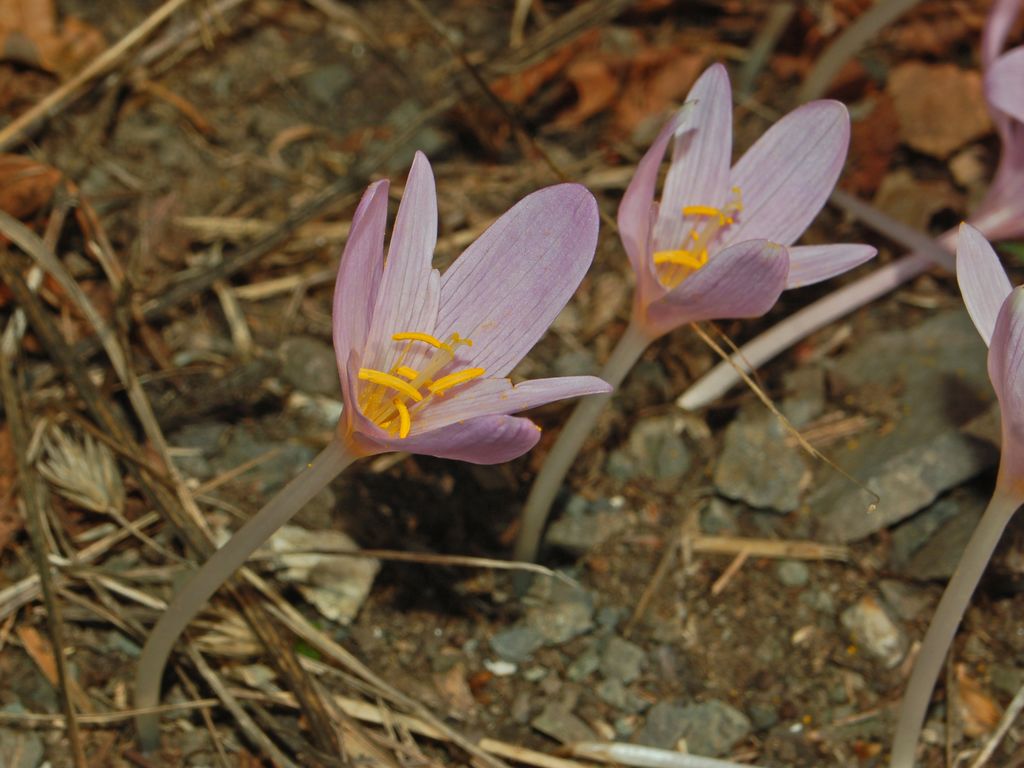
point(977, 711)
point(25, 185)
point(518, 88)
point(657, 79)
point(596, 86)
point(29, 35)
point(873, 142)
point(10, 521)
point(940, 106)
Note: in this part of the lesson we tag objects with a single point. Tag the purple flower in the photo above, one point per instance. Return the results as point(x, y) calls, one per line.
point(424, 357)
point(1000, 214)
point(997, 310)
point(720, 243)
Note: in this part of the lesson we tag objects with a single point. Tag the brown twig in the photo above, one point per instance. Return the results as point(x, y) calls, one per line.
point(279, 649)
point(18, 129)
point(32, 497)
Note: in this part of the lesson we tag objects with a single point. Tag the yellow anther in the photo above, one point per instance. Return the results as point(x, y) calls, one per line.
point(407, 373)
point(392, 382)
point(456, 339)
point(454, 379)
point(404, 420)
point(701, 210)
point(682, 258)
point(426, 338)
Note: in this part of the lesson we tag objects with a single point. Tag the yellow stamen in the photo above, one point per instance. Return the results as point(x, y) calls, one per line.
point(701, 210)
point(387, 380)
point(454, 379)
point(426, 338)
point(404, 420)
point(406, 372)
point(682, 258)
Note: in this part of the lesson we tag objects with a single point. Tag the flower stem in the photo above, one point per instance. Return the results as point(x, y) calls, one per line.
point(563, 453)
point(191, 598)
point(717, 381)
point(799, 325)
point(944, 623)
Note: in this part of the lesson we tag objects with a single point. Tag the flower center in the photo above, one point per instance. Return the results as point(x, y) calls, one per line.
point(674, 266)
point(390, 399)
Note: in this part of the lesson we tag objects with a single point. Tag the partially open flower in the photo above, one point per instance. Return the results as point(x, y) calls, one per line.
point(998, 313)
point(424, 358)
point(719, 245)
point(1001, 215)
point(997, 310)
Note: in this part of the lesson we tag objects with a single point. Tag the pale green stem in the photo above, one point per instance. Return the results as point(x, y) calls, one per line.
point(574, 433)
point(191, 598)
point(950, 611)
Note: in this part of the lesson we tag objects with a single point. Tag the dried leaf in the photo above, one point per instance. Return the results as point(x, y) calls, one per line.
point(518, 88)
point(940, 106)
point(658, 78)
point(977, 711)
point(10, 521)
point(596, 86)
point(873, 142)
point(29, 35)
point(25, 185)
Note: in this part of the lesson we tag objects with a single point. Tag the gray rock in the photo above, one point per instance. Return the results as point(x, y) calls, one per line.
point(582, 531)
point(658, 449)
point(793, 573)
point(718, 518)
point(246, 444)
point(925, 384)
point(309, 365)
point(326, 85)
point(621, 465)
point(516, 643)
point(560, 622)
point(204, 441)
point(20, 748)
point(805, 395)
point(609, 616)
point(621, 659)
point(557, 721)
point(710, 728)
point(758, 466)
point(928, 546)
point(907, 601)
point(871, 628)
point(617, 695)
point(762, 717)
point(584, 665)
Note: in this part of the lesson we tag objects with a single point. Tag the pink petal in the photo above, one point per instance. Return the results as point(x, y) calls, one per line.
point(810, 264)
point(408, 295)
point(1004, 84)
point(1001, 17)
point(506, 288)
point(362, 435)
point(744, 280)
point(787, 176)
point(484, 440)
point(355, 291)
point(637, 209)
point(498, 396)
point(1006, 369)
point(701, 156)
point(982, 279)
